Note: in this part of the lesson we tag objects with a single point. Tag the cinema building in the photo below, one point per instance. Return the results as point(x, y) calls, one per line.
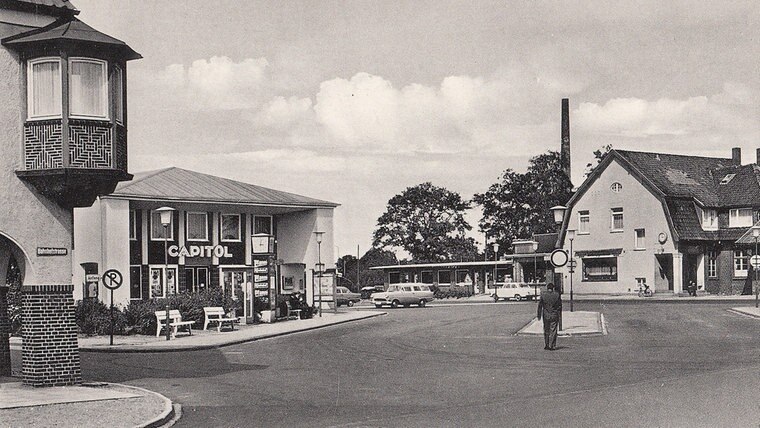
point(242, 238)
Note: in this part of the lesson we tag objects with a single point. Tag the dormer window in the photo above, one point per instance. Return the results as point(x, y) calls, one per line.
point(709, 218)
point(44, 88)
point(727, 178)
point(88, 88)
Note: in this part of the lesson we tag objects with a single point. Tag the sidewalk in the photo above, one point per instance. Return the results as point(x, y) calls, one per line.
point(578, 323)
point(749, 311)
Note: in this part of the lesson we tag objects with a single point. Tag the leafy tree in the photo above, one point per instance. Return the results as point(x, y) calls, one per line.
point(374, 257)
point(427, 221)
point(347, 265)
point(519, 205)
point(598, 155)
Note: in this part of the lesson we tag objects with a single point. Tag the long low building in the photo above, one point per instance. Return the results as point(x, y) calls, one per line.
point(248, 240)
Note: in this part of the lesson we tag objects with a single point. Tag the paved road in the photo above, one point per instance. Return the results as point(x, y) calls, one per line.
point(660, 365)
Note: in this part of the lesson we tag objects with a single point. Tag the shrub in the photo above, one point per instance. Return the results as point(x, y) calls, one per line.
point(451, 292)
point(94, 318)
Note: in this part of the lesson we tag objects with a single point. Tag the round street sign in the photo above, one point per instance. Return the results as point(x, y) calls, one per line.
point(559, 258)
point(755, 261)
point(112, 279)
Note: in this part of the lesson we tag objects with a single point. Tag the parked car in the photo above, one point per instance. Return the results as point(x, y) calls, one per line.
point(367, 291)
point(403, 294)
point(516, 291)
point(344, 296)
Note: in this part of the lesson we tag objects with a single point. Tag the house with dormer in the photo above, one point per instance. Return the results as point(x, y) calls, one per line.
point(662, 219)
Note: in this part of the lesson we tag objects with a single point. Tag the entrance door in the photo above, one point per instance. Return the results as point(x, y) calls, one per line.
point(663, 275)
point(690, 269)
point(240, 283)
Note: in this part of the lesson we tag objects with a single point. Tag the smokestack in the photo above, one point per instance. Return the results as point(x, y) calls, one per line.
point(736, 155)
point(564, 154)
point(757, 156)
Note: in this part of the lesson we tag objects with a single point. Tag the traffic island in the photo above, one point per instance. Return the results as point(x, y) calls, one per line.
point(749, 311)
point(577, 323)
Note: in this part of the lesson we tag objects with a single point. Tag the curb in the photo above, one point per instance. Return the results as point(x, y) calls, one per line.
point(745, 314)
point(166, 415)
point(222, 345)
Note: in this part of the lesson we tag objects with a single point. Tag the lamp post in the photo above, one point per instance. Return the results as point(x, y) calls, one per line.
point(571, 236)
point(166, 219)
point(320, 267)
point(535, 269)
point(755, 234)
point(495, 264)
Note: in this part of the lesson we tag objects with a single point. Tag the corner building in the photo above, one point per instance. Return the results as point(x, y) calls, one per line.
point(245, 239)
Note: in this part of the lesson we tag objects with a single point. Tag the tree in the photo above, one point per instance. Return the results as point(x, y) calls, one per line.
point(598, 155)
point(518, 206)
point(427, 221)
point(347, 266)
point(374, 257)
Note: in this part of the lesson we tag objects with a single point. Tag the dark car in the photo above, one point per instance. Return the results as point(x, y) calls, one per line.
point(367, 291)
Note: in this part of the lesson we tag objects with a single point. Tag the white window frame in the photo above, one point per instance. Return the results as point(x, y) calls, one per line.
point(118, 91)
point(584, 214)
point(709, 218)
point(104, 84)
point(734, 217)
point(712, 264)
point(741, 260)
point(29, 86)
point(187, 226)
point(221, 228)
point(170, 229)
point(613, 211)
point(133, 225)
point(639, 242)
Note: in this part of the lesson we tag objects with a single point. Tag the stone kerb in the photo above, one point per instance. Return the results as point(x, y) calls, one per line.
point(5, 333)
point(49, 352)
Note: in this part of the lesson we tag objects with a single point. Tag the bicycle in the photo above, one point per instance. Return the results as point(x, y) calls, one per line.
point(645, 291)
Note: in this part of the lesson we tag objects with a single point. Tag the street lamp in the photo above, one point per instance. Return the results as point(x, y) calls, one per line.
point(321, 268)
point(559, 213)
point(571, 236)
point(495, 264)
point(535, 269)
point(166, 213)
point(756, 234)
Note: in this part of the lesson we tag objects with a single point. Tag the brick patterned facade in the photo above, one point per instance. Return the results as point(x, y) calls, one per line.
point(43, 145)
point(50, 351)
point(90, 145)
point(5, 330)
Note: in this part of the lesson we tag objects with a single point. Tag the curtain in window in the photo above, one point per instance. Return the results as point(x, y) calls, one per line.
point(87, 89)
point(46, 89)
point(196, 226)
point(230, 228)
point(262, 225)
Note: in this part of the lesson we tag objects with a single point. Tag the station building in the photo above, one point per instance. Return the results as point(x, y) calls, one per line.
point(246, 239)
point(665, 220)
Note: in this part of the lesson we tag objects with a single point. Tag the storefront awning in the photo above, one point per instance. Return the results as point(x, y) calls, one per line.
point(611, 252)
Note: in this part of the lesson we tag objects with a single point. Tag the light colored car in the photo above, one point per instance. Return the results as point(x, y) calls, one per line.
point(344, 296)
point(516, 291)
point(403, 294)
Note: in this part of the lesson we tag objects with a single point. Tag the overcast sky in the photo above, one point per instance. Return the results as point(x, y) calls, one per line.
point(353, 101)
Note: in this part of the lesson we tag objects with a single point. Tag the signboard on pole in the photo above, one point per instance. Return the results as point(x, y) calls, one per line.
point(559, 258)
point(324, 286)
point(755, 261)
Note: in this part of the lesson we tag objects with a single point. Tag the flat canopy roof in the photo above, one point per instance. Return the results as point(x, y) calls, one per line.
point(509, 260)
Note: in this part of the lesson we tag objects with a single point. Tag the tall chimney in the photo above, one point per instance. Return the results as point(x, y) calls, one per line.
point(757, 156)
point(564, 154)
point(736, 155)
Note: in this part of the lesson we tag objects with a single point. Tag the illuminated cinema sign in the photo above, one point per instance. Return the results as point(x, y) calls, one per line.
point(220, 251)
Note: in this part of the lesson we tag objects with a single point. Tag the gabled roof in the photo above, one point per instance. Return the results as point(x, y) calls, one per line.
point(69, 30)
point(747, 237)
point(546, 242)
point(183, 185)
point(56, 7)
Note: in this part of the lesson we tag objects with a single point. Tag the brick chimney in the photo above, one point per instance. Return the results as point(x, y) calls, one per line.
point(736, 155)
point(757, 156)
point(564, 154)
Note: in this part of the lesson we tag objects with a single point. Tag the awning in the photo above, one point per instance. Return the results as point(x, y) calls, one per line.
point(611, 252)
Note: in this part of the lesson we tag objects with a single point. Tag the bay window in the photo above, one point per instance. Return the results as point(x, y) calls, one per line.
point(88, 95)
point(44, 88)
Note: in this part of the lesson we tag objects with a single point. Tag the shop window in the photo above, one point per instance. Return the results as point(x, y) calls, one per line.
point(740, 217)
point(741, 263)
point(132, 225)
point(157, 232)
point(135, 283)
point(157, 281)
point(197, 226)
point(230, 227)
point(118, 94)
point(262, 224)
point(394, 277)
point(88, 96)
point(44, 88)
point(640, 235)
point(616, 220)
point(584, 219)
point(427, 277)
point(503, 275)
point(444, 277)
point(196, 279)
point(463, 277)
point(712, 264)
point(599, 269)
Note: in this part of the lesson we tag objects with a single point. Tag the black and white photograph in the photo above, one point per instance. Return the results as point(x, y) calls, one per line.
point(379, 213)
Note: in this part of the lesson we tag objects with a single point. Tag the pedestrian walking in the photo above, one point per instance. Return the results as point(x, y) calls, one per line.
point(550, 310)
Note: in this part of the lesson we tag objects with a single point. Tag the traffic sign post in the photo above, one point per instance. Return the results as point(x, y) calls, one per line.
point(112, 279)
point(755, 261)
point(559, 258)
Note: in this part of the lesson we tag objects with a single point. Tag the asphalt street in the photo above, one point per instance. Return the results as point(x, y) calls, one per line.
point(660, 365)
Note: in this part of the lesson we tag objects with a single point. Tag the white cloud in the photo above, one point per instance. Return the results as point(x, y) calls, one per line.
point(281, 112)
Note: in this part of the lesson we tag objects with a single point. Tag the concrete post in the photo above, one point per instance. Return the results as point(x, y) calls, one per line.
point(50, 351)
point(5, 333)
point(677, 273)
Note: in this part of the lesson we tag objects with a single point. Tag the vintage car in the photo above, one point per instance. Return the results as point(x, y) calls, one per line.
point(403, 294)
point(367, 291)
point(344, 296)
point(517, 291)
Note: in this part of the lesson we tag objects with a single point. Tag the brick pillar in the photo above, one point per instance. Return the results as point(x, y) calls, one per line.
point(5, 333)
point(50, 351)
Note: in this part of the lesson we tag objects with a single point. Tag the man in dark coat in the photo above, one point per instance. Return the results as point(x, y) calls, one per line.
point(550, 310)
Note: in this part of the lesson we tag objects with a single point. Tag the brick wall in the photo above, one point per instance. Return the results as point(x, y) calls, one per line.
point(50, 352)
point(5, 330)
